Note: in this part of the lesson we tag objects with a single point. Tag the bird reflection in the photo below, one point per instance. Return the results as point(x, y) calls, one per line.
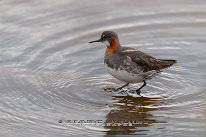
point(131, 115)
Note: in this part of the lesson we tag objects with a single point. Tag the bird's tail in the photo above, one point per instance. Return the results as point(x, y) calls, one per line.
point(166, 63)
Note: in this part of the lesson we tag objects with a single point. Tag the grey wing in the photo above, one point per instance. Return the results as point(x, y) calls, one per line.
point(145, 61)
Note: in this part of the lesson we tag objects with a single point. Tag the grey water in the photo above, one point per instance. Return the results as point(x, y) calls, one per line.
point(51, 76)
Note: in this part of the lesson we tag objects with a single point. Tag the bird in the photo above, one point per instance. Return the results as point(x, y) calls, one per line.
point(128, 64)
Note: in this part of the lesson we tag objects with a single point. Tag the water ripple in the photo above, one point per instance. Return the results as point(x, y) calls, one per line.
point(50, 73)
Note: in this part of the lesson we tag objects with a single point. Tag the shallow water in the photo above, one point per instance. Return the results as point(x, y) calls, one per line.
point(51, 76)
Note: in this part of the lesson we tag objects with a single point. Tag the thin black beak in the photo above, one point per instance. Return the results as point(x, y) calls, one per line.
point(99, 40)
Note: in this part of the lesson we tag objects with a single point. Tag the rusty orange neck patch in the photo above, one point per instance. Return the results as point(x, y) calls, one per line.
point(113, 46)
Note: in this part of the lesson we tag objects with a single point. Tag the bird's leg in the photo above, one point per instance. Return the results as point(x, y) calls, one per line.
point(122, 87)
point(138, 90)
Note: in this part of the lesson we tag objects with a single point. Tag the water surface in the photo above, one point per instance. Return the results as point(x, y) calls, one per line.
point(50, 74)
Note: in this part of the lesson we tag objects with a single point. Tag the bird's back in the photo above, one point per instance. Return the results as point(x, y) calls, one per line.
point(145, 61)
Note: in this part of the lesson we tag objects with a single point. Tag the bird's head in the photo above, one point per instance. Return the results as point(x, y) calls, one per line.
point(107, 37)
point(111, 40)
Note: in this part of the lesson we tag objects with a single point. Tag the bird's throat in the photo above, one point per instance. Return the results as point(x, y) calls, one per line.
point(113, 46)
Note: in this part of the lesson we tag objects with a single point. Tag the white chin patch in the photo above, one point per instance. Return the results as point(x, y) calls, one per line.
point(106, 43)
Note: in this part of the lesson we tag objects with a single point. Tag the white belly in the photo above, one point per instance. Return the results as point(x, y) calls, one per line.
point(125, 76)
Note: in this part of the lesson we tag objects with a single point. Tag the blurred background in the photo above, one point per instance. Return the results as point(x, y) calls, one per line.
point(50, 74)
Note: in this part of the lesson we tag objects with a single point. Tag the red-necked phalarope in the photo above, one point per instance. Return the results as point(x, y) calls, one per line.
point(130, 65)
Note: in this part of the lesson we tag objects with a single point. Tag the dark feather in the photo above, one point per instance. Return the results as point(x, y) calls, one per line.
point(146, 61)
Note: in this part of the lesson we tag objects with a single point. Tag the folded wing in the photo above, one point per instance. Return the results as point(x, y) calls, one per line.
point(146, 61)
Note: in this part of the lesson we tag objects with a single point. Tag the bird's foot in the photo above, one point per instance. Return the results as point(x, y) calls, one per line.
point(121, 87)
point(122, 92)
point(105, 89)
point(138, 93)
point(115, 90)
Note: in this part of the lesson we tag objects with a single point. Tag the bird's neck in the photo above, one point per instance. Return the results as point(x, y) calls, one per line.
point(114, 44)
